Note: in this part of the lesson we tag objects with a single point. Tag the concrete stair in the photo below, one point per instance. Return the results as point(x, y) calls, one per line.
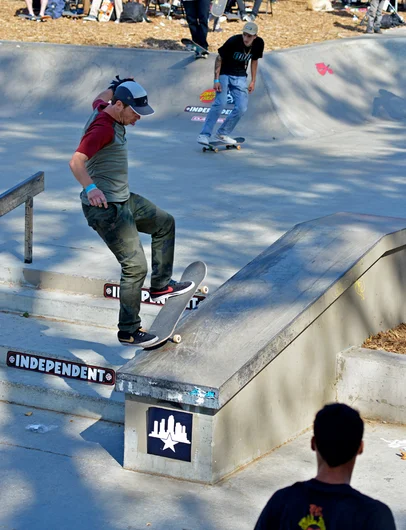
point(68, 306)
point(63, 341)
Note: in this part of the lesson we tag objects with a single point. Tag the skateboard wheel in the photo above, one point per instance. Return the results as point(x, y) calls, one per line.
point(204, 289)
point(177, 339)
point(227, 147)
point(238, 147)
point(216, 150)
point(204, 149)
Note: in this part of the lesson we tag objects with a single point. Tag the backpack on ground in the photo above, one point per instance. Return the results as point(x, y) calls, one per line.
point(55, 8)
point(133, 12)
point(391, 21)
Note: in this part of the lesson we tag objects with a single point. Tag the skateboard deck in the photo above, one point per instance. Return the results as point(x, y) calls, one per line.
point(233, 16)
point(218, 7)
point(214, 146)
point(165, 323)
point(199, 51)
point(73, 16)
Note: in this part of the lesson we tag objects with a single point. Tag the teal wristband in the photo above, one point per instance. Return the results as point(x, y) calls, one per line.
point(90, 188)
point(217, 80)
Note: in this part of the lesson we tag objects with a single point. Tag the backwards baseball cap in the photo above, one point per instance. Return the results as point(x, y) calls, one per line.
point(251, 28)
point(133, 94)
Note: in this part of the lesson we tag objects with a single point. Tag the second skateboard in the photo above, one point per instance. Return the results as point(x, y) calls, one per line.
point(199, 51)
point(216, 144)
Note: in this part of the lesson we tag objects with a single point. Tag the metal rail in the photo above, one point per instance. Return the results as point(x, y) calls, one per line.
point(14, 197)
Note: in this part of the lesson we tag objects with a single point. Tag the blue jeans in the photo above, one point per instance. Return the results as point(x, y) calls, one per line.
point(238, 87)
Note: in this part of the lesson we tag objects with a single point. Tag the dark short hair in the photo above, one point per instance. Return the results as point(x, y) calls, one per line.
point(338, 431)
point(114, 101)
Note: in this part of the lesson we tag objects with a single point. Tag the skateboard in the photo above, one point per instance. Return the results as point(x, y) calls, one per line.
point(38, 19)
point(233, 16)
point(218, 7)
point(105, 11)
point(199, 51)
point(167, 319)
point(214, 146)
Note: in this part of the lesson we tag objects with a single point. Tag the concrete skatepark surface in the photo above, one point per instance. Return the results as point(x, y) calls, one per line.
point(315, 145)
point(71, 477)
point(244, 200)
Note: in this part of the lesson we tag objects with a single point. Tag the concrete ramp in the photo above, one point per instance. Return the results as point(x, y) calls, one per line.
point(58, 82)
point(262, 349)
point(321, 89)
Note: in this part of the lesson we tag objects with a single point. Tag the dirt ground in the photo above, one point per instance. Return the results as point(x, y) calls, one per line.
point(393, 340)
point(291, 24)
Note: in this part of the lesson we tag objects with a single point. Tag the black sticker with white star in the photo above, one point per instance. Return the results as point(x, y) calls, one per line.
point(169, 433)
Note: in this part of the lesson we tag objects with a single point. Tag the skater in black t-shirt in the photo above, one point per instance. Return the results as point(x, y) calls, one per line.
point(328, 502)
point(230, 75)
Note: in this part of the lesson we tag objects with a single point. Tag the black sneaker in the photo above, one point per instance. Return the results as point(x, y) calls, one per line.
point(172, 289)
point(137, 338)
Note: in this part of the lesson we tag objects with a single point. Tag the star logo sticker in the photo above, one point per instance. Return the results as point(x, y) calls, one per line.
point(169, 428)
point(169, 443)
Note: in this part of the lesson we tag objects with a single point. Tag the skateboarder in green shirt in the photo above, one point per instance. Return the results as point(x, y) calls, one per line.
point(100, 164)
point(230, 74)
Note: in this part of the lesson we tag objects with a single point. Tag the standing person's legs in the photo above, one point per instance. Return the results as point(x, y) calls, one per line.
point(191, 17)
point(241, 7)
point(44, 4)
point(29, 7)
point(217, 106)
point(116, 226)
point(160, 225)
point(203, 10)
point(238, 87)
point(371, 15)
point(378, 16)
point(118, 6)
point(255, 9)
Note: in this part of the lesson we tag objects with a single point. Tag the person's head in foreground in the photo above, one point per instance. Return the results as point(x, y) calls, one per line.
point(337, 439)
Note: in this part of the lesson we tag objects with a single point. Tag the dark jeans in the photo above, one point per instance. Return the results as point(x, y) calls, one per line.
point(119, 226)
point(197, 16)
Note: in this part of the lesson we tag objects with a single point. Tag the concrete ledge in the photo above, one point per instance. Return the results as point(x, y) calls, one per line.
point(264, 308)
point(373, 381)
point(262, 350)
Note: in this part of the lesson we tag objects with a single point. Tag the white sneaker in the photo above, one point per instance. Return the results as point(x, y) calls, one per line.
point(203, 139)
point(226, 139)
point(90, 18)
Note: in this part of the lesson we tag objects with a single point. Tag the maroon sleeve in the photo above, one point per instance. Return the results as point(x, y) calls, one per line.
point(98, 102)
point(99, 134)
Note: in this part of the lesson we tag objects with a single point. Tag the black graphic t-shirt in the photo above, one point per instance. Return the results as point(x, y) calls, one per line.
point(235, 56)
point(315, 505)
